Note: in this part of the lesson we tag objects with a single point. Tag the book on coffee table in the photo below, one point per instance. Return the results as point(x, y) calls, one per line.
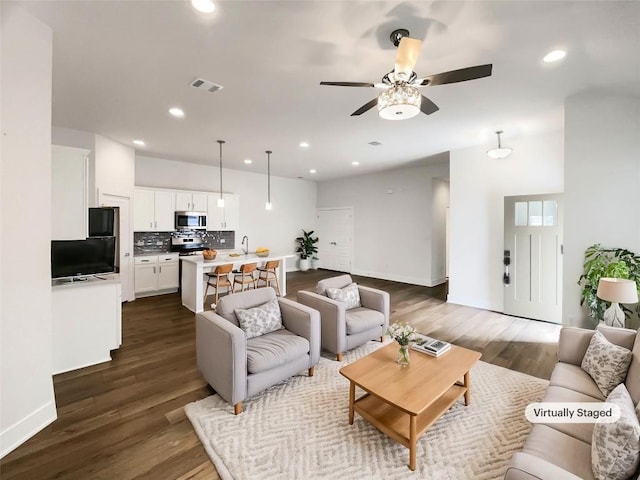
point(430, 346)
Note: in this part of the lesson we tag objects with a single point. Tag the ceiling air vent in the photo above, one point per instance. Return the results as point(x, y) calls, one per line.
point(202, 84)
point(375, 143)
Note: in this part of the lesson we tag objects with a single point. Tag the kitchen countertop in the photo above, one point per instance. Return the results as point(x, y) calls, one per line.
point(225, 257)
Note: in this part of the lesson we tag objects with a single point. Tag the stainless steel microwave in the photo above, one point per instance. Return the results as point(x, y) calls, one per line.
point(191, 221)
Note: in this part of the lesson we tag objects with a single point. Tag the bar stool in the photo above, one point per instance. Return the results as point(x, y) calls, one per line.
point(269, 274)
point(244, 276)
point(219, 278)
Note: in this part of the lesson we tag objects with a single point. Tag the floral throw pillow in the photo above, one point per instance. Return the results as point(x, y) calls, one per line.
point(259, 320)
point(615, 447)
point(349, 295)
point(606, 363)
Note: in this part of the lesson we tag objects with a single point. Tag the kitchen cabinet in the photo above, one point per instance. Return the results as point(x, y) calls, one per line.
point(153, 210)
point(191, 201)
point(69, 187)
point(156, 274)
point(86, 322)
point(225, 218)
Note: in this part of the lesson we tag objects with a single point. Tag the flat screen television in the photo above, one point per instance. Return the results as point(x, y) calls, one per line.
point(77, 258)
point(101, 222)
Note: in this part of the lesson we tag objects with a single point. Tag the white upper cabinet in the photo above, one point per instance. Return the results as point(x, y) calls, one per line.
point(153, 210)
point(191, 201)
point(69, 176)
point(223, 218)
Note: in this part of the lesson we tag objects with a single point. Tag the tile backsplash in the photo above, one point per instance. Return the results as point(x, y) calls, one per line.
point(151, 242)
point(145, 243)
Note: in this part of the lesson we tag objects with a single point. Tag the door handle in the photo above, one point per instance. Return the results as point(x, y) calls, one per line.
point(156, 224)
point(160, 269)
point(333, 243)
point(506, 277)
point(126, 254)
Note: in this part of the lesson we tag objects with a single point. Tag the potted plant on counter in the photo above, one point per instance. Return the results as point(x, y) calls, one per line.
point(306, 248)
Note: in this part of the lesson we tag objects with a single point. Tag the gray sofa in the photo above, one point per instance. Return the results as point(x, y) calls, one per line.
point(344, 329)
point(237, 368)
point(562, 451)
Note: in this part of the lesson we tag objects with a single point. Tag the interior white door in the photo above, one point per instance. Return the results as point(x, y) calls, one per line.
point(335, 234)
point(533, 257)
point(125, 242)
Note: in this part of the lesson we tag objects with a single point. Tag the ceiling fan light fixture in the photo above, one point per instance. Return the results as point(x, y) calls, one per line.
point(500, 152)
point(399, 102)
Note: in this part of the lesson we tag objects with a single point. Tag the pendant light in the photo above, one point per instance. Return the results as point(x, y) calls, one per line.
point(500, 152)
point(221, 199)
point(268, 204)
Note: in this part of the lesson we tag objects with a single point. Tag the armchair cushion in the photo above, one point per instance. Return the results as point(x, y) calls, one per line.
point(348, 295)
point(606, 362)
point(274, 349)
point(259, 320)
point(361, 319)
point(615, 448)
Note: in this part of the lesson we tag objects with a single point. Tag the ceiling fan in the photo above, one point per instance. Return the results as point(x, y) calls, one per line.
point(400, 98)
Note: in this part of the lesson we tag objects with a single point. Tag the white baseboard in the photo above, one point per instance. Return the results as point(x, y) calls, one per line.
point(24, 429)
point(76, 366)
point(474, 302)
point(400, 278)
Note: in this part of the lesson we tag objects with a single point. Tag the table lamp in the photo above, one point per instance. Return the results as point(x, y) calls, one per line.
point(616, 290)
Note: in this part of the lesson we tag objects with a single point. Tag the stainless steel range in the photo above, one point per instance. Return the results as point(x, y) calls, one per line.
point(187, 242)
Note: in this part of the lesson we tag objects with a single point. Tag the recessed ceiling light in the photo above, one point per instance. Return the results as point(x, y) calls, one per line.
point(204, 6)
point(313, 170)
point(140, 143)
point(304, 144)
point(248, 161)
point(554, 56)
point(177, 112)
point(355, 164)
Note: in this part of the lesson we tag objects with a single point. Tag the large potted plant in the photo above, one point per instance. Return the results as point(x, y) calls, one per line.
point(606, 262)
point(306, 248)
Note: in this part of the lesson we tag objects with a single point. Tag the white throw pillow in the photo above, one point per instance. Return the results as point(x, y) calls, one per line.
point(259, 320)
point(606, 363)
point(615, 447)
point(349, 295)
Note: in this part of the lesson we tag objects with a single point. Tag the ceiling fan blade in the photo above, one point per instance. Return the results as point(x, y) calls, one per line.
point(366, 107)
point(348, 84)
point(407, 55)
point(454, 76)
point(427, 106)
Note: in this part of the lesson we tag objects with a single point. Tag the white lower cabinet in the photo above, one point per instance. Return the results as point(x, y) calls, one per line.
point(87, 322)
point(156, 274)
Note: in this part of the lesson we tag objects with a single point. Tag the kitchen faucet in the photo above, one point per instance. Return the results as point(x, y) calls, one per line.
point(245, 248)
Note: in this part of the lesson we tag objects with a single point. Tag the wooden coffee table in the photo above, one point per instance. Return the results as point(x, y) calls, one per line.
point(402, 402)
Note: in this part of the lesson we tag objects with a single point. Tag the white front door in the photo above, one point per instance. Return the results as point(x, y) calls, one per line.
point(125, 242)
point(532, 261)
point(335, 227)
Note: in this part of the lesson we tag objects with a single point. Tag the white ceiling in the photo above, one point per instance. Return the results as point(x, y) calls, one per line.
point(119, 65)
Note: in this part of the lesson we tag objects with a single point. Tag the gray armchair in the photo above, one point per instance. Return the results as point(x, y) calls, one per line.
point(343, 329)
point(237, 368)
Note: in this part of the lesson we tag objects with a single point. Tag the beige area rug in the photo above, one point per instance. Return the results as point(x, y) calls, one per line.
point(300, 430)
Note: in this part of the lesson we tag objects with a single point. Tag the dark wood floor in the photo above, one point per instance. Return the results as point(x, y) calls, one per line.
point(124, 420)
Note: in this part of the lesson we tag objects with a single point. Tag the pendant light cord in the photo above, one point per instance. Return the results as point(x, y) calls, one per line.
point(221, 142)
point(268, 152)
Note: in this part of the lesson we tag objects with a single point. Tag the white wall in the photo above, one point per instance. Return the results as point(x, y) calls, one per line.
point(392, 231)
point(602, 186)
point(478, 187)
point(440, 194)
point(26, 387)
point(294, 201)
point(79, 139)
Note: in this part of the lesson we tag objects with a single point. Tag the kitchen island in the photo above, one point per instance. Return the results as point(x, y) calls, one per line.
point(195, 266)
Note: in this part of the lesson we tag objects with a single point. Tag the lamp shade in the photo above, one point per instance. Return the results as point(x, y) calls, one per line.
point(399, 102)
point(617, 290)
